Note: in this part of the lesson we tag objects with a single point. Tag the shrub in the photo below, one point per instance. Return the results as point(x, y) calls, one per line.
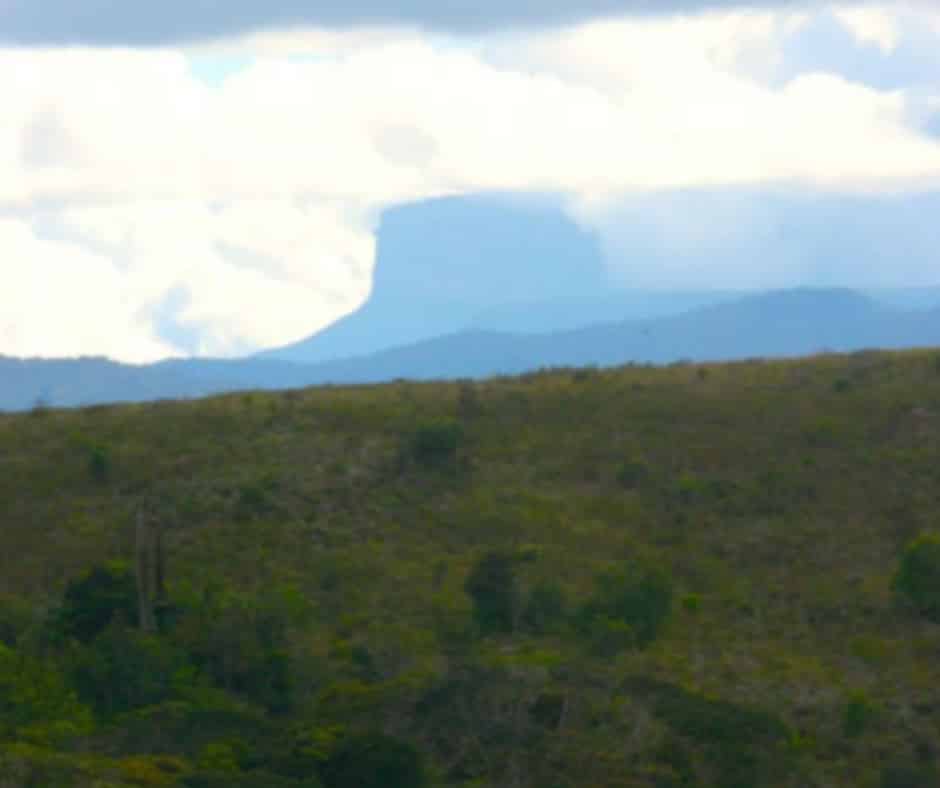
point(548, 710)
point(468, 400)
point(238, 642)
point(903, 775)
point(545, 608)
point(36, 704)
point(741, 744)
point(634, 596)
point(918, 576)
point(435, 445)
point(16, 615)
point(373, 760)
point(632, 473)
point(104, 594)
point(126, 669)
point(493, 587)
point(99, 464)
point(858, 714)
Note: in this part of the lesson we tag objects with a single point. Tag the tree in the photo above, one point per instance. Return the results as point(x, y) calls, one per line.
point(374, 760)
point(436, 445)
point(36, 704)
point(628, 607)
point(918, 576)
point(104, 594)
point(494, 590)
point(125, 669)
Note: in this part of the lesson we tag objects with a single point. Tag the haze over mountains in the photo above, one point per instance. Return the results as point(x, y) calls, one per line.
point(484, 285)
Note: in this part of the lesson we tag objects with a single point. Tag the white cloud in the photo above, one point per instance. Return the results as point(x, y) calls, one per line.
point(256, 194)
point(875, 25)
point(63, 300)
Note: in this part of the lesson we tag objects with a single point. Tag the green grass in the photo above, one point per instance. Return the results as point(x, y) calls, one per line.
point(780, 494)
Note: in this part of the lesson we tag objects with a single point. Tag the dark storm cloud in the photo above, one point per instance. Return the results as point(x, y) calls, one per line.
point(151, 22)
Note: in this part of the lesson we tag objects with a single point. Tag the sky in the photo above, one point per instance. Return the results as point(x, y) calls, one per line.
point(206, 178)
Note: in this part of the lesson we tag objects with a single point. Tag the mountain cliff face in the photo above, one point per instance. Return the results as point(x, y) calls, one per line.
point(441, 263)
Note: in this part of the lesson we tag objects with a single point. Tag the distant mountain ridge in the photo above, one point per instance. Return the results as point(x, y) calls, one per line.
point(504, 263)
point(780, 323)
point(441, 263)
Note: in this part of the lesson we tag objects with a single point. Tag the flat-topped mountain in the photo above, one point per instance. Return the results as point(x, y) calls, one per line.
point(442, 262)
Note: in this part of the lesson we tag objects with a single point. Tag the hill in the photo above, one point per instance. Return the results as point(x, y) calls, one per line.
point(640, 577)
point(775, 324)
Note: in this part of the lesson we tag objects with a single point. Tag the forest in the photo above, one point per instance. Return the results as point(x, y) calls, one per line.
point(695, 575)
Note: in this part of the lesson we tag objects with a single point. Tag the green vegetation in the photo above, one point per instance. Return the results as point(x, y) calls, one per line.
point(918, 577)
point(719, 576)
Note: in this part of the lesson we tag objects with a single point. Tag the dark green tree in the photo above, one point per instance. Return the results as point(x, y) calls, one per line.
point(125, 669)
point(435, 445)
point(918, 576)
point(628, 607)
point(374, 760)
point(104, 594)
point(36, 703)
point(545, 608)
point(493, 587)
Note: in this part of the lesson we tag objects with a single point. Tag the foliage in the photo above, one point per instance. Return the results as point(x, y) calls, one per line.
point(99, 463)
point(632, 473)
point(36, 703)
point(493, 587)
point(743, 745)
point(435, 445)
point(327, 577)
point(15, 619)
point(629, 606)
point(124, 669)
point(858, 714)
point(373, 760)
point(103, 595)
point(546, 607)
point(918, 576)
point(906, 775)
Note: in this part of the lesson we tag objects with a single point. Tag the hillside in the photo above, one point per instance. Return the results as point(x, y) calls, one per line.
point(632, 577)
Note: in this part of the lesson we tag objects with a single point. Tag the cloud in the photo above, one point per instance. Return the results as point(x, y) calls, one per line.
point(766, 238)
point(220, 199)
point(119, 23)
point(59, 279)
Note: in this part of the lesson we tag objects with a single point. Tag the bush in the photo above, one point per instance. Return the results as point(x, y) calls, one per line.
point(918, 576)
point(104, 594)
point(740, 744)
point(858, 714)
point(126, 669)
point(373, 760)
point(36, 704)
point(239, 643)
point(494, 590)
point(545, 608)
point(632, 473)
point(901, 775)
point(99, 464)
point(435, 445)
point(632, 596)
point(16, 616)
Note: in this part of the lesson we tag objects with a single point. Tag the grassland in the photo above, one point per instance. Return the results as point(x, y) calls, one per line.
point(775, 497)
